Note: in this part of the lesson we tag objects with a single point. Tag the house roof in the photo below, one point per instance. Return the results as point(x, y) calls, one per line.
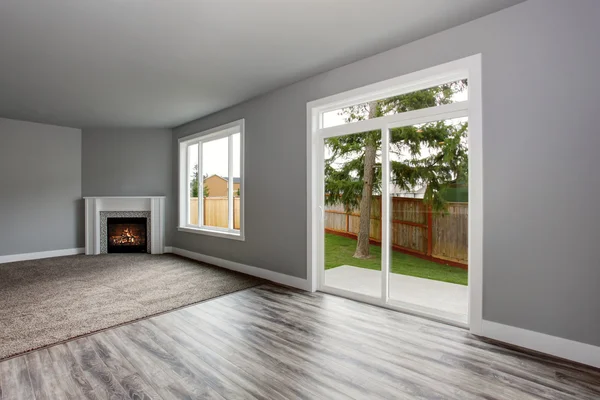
point(235, 179)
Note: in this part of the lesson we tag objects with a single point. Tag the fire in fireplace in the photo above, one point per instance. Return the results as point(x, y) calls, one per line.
point(126, 235)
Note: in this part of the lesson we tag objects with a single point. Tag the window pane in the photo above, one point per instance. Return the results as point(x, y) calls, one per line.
point(353, 213)
point(215, 170)
point(447, 93)
point(236, 180)
point(429, 217)
point(192, 217)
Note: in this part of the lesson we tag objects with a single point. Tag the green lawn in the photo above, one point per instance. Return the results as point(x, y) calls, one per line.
point(339, 251)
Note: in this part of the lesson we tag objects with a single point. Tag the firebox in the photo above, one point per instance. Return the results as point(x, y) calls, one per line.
point(126, 235)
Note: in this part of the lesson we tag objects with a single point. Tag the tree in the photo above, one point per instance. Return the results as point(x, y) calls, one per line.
point(434, 154)
point(194, 184)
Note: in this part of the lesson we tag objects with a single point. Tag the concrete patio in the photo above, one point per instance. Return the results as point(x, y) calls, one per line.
point(449, 299)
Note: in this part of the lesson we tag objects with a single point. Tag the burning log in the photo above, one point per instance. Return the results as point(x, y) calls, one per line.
point(126, 237)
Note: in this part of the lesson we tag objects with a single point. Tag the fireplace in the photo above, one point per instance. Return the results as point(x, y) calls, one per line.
point(126, 235)
point(99, 209)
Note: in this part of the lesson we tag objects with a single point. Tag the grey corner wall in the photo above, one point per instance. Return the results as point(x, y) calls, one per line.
point(40, 188)
point(540, 141)
point(128, 162)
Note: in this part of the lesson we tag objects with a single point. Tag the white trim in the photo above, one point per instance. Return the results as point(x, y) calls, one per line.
point(216, 232)
point(227, 130)
point(553, 345)
point(385, 210)
point(320, 196)
point(157, 225)
point(242, 176)
point(312, 258)
point(168, 249)
point(427, 78)
point(475, 240)
point(125, 197)
point(182, 184)
point(214, 133)
point(272, 276)
point(90, 220)
point(470, 68)
point(41, 254)
point(230, 184)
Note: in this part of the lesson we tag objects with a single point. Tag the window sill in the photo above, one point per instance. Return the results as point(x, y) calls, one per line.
point(211, 232)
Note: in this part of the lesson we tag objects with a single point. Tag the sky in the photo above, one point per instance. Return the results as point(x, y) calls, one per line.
point(215, 157)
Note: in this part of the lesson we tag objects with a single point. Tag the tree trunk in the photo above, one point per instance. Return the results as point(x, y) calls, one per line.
point(364, 227)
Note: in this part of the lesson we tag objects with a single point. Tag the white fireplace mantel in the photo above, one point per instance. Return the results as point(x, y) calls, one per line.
point(154, 204)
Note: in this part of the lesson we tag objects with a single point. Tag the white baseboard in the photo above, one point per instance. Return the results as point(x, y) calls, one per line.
point(168, 249)
point(553, 345)
point(41, 254)
point(246, 269)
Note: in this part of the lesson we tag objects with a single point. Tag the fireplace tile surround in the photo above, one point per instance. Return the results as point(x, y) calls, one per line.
point(99, 209)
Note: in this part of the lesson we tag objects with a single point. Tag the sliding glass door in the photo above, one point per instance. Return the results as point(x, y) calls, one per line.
point(393, 193)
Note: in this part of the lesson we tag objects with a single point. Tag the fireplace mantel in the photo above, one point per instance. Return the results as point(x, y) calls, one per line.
point(95, 205)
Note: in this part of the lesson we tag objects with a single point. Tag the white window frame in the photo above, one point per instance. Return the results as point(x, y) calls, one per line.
point(470, 68)
point(227, 130)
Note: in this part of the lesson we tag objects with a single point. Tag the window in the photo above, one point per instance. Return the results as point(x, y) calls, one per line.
point(434, 96)
point(211, 182)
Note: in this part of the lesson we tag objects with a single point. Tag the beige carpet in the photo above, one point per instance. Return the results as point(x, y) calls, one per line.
point(47, 301)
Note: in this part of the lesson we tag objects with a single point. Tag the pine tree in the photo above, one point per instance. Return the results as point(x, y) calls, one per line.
point(194, 184)
point(432, 155)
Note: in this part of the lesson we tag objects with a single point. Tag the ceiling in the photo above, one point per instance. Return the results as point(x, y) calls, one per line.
point(157, 63)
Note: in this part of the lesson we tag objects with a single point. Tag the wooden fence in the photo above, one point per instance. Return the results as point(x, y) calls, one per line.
point(415, 228)
point(216, 211)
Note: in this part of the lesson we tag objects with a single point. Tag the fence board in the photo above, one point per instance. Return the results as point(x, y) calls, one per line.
point(409, 237)
point(194, 211)
point(451, 233)
point(216, 211)
point(410, 210)
point(412, 227)
point(337, 221)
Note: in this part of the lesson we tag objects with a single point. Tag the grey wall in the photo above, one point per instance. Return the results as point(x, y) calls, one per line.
point(540, 141)
point(128, 162)
point(40, 188)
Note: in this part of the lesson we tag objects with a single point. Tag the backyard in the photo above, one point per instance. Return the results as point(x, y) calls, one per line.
point(339, 251)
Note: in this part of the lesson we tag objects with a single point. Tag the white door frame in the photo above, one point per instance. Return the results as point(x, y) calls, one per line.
point(470, 68)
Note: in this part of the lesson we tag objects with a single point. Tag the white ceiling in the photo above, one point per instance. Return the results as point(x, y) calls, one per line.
point(160, 63)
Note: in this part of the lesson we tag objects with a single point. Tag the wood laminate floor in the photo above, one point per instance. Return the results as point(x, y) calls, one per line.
point(274, 343)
